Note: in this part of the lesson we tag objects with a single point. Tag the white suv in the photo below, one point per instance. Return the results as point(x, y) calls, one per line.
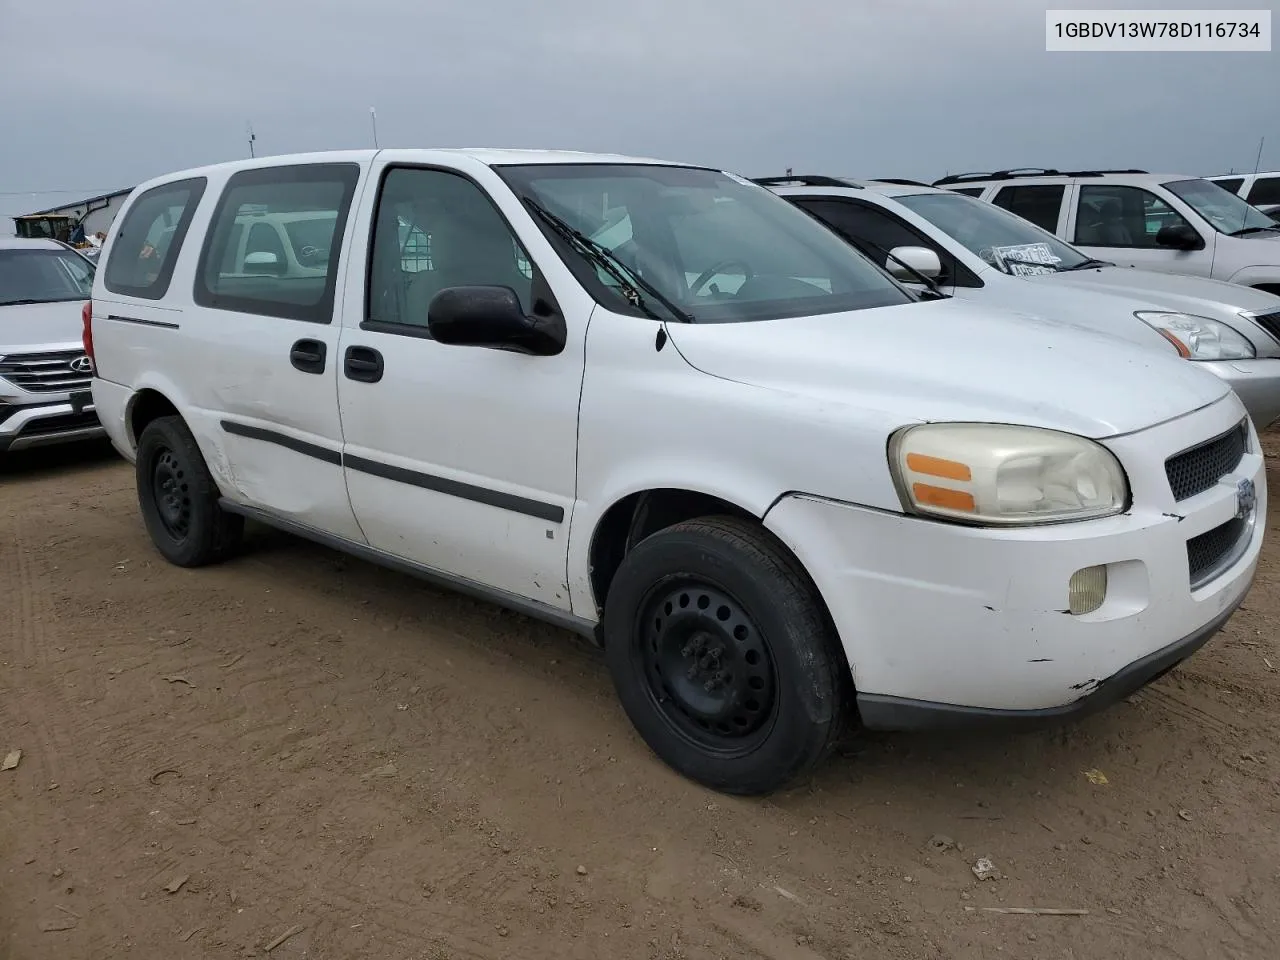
point(778, 486)
point(977, 251)
point(44, 372)
point(1258, 189)
point(1171, 223)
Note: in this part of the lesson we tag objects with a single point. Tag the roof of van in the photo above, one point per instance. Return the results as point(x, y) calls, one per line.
point(486, 155)
point(30, 243)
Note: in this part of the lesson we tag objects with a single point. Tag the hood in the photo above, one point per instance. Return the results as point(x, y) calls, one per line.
point(31, 327)
point(949, 360)
point(1105, 312)
point(1197, 295)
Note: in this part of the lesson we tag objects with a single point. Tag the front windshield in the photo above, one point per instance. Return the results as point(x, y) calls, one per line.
point(717, 247)
point(43, 276)
point(1226, 212)
point(1002, 239)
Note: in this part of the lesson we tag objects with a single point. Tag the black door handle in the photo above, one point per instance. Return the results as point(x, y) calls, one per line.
point(363, 364)
point(308, 356)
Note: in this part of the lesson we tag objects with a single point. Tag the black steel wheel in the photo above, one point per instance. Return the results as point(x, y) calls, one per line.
point(172, 494)
point(708, 665)
point(724, 657)
point(178, 498)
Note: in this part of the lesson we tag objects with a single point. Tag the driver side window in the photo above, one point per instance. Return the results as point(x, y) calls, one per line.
point(1110, 215)
point(435, 229)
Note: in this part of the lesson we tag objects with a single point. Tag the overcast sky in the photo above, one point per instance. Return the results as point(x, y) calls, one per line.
point(101, 94)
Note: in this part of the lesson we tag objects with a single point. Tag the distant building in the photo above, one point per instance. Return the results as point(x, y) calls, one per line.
point(95, 213)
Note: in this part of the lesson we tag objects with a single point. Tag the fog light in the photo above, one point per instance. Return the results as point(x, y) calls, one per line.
point(1087, 590)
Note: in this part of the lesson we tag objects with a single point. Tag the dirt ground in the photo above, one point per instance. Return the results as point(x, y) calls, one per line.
point(297, 754)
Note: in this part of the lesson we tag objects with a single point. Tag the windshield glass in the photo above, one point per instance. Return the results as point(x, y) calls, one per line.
point(1002, 239)
point(715, 246)
point(43, 276)
point(1226, 212)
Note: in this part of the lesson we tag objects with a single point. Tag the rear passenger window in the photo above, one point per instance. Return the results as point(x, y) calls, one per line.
point(1232, 185)
point(142, 255)
point(274, 241)
point(1265, 190)
point(1040, 203)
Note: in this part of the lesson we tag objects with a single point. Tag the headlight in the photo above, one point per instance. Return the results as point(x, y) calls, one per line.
point(998, 474)
point(1198, 338)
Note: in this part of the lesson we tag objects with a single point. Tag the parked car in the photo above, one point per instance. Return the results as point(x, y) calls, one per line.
point(1165, 222)
point(659, 405)
point(44, 373)
point(1272, 210)
point(978, 251)
point(1259, 189)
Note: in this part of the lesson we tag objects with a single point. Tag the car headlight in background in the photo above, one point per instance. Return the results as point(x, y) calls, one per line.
point(999, 474)
point(1198, 338)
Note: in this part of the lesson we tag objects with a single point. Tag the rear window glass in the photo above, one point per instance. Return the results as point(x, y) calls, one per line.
point(142, 255)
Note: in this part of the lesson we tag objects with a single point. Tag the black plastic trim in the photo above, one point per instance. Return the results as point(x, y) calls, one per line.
point(162, 324)
point(456, 488)
point(899, 713)
point(550, 512)
point(313, 450)
point(532, 608)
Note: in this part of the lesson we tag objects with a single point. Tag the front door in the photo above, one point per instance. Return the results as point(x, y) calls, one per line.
point(1120, 223)
point(460, 459)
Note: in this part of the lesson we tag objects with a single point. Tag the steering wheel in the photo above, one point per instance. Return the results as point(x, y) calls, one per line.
point(718, 267)
point(310, 255)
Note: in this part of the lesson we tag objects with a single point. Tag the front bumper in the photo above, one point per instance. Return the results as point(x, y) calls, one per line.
point(942, 622)
point(64, 420)
point(1256, 382)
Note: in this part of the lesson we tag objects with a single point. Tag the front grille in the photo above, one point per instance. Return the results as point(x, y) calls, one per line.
point(1209, 551)
point(1269, 322)
point(45, 372)
point(1196, 470)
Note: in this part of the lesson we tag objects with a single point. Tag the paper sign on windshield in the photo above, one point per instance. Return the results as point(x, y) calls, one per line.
point(1026, 259)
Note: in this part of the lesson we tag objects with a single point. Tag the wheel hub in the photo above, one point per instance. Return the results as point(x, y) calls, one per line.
point(707, 664)
point(172, 495)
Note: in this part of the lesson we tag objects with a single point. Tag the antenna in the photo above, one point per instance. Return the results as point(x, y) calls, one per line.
point(252, 138)
point(1257, 164)
point(788, 173)
point(373, 119)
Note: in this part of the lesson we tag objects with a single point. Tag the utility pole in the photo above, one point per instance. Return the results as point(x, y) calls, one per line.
point(373, 119)
point(251, 139)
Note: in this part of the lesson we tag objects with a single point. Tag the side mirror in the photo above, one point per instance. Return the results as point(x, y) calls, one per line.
point(485, 316)
point(921, 259)
point(1179, 236)
point(262, 261)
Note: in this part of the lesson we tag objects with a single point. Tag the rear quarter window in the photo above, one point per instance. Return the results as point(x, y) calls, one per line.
point(142, 255)
point(274, 240)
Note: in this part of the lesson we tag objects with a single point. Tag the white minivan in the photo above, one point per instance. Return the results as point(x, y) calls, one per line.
point(781, 489)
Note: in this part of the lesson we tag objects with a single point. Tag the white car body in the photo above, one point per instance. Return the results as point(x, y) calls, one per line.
point(1259, 189)
point(44, 373)
point(530, 478)
point(1098, 296)
point(1090, 213)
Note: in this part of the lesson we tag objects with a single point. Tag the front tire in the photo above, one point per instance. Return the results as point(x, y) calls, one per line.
point(178, 498)
point(724, 657)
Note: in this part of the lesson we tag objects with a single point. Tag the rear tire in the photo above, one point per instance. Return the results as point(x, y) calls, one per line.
point(724, 656)
point(178, 498)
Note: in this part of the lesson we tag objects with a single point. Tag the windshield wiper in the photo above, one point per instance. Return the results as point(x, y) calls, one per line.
point(1031, 263)
point(1089, 264)
point(603, 257)
point(18, 303)
point(1245, 231)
